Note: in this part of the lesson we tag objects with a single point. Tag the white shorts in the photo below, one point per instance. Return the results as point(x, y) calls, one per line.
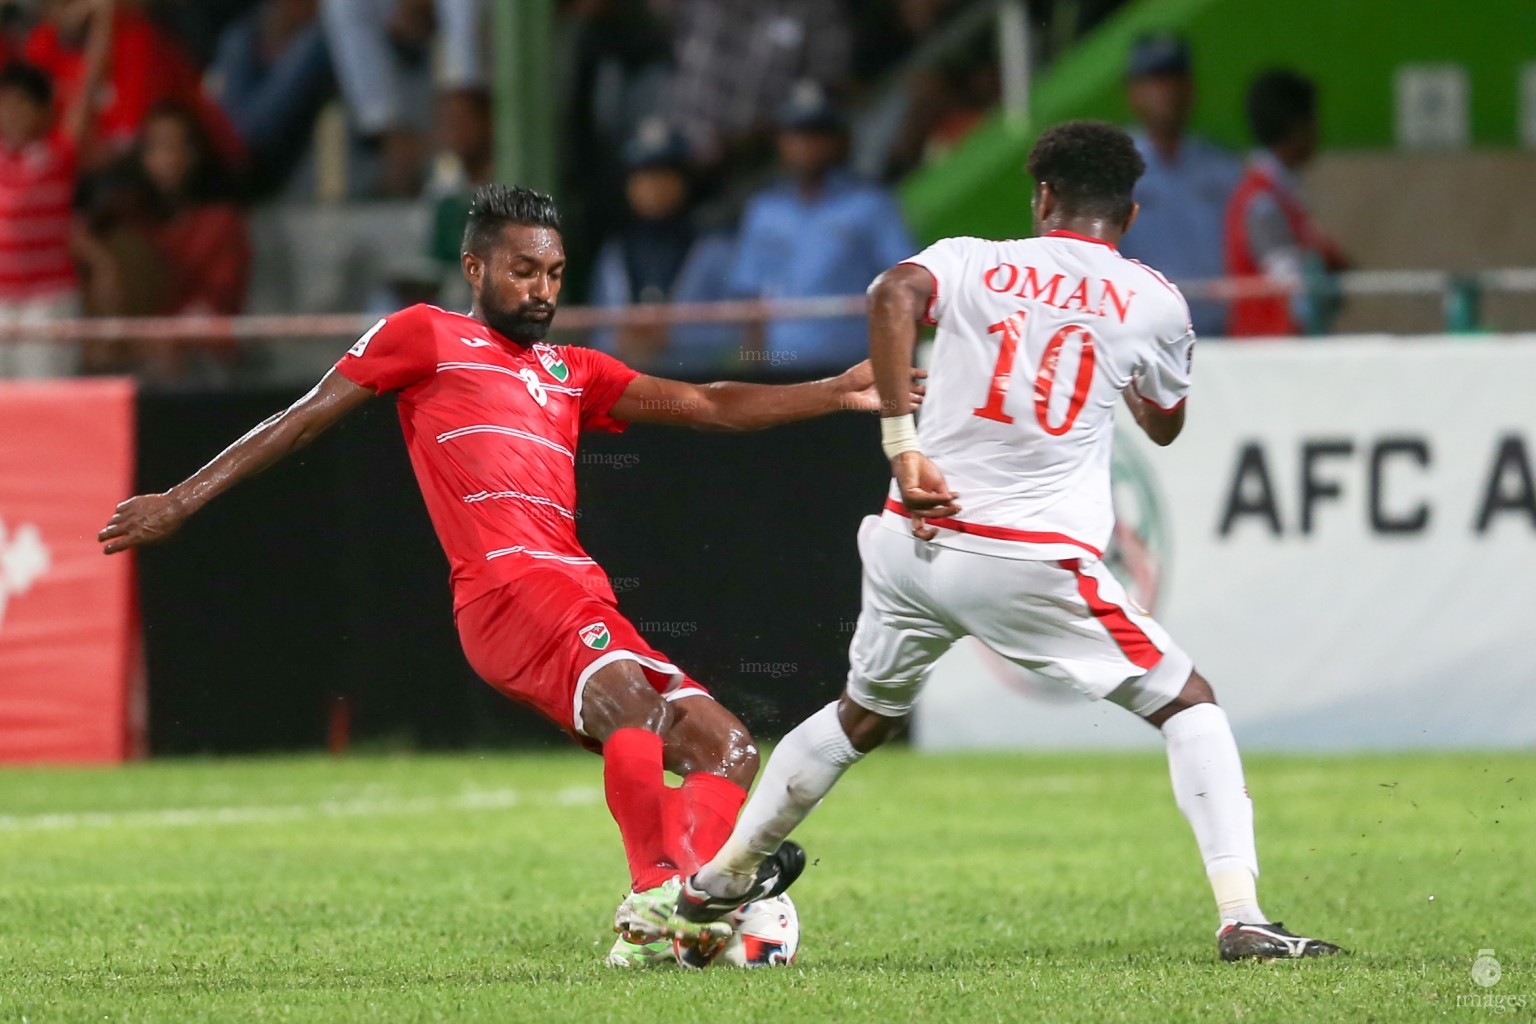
point(1067, 620)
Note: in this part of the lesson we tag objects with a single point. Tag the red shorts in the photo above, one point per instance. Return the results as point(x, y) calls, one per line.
point(540, 638)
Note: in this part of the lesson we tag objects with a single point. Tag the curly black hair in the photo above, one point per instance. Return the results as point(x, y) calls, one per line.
point(1091, 166)
point(1278, 102)
point(495, 206)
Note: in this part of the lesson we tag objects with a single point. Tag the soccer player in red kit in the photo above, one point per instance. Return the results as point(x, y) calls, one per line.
point(491, 416)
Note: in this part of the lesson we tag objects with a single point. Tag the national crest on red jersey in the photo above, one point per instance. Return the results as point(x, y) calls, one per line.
point(550, 358)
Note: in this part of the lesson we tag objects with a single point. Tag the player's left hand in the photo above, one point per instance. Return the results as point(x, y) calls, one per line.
point(923, 492)
point(858, 387)
point(140, 521)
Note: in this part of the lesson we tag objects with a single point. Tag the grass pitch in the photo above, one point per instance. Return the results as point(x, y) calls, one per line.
point(956, 888)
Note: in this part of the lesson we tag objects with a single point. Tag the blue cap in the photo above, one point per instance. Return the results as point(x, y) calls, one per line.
point(1159, 53)
point(656, 144)
point(809, 108)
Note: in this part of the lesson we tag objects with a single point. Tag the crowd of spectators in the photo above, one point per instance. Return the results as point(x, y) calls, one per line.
point(117, 181)
point(706, 148)
point(1205, 214)
point(134, 135)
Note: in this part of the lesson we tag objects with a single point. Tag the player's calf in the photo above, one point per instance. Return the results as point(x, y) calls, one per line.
point(704, 737)
point(1209, 787)
point(621, 710)
point(864, 728)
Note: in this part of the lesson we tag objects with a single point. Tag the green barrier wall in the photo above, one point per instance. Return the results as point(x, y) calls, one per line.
point(1351, 47)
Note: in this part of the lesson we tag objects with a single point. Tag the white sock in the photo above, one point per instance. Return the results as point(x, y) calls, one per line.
point(1208, 785)
point(803, 769)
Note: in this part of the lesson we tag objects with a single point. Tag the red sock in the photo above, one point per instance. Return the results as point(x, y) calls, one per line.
point(675, 817)
point(710, 805)
point(633, 782)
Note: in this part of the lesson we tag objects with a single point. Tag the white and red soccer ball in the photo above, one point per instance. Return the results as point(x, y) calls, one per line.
point(767, 934)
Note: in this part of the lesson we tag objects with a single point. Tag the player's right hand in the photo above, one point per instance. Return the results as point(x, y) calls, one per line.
point(923, 492)
point(146, 519)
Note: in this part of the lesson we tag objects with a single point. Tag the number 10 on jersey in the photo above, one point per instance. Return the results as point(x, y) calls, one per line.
point(1012, 330)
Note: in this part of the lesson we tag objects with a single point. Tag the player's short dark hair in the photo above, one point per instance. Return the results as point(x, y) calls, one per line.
point(496, 206)
point(1092, 166)
point(1278, 102)
point(31, 82)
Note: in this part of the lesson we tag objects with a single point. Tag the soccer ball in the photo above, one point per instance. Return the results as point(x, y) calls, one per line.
point(767, 934)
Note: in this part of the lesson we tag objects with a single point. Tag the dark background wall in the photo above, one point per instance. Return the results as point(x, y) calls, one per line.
point(322, 579)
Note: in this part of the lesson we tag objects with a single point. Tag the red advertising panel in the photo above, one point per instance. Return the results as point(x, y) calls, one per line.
point(69, 651)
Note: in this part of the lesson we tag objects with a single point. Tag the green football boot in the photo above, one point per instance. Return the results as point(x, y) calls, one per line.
point(643, 916)
point(640, 954)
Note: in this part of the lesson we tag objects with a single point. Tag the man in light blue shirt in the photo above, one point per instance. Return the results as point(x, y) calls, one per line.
point(821, 232)
point(1184, 193)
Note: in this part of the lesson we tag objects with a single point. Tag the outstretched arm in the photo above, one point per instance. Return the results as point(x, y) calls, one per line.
point(151, 518)
point(729, 405)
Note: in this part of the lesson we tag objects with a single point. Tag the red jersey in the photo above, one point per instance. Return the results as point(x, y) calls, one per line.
point(37, 185)
point(492, 428)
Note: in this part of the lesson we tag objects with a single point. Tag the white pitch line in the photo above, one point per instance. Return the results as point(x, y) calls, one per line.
point(175, 817)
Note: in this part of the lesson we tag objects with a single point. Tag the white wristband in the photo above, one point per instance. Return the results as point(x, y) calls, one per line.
point(898, 434)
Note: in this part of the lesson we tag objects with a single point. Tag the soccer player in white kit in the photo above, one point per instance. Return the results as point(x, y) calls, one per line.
point(1000, 511)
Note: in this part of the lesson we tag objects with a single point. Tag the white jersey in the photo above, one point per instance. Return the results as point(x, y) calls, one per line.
point(1037, 338)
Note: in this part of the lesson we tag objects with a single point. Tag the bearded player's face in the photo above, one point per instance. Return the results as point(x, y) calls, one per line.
point(517, 284)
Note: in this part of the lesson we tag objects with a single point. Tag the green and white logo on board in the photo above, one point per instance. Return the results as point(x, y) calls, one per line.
point(595, 636)
point(552, 362)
